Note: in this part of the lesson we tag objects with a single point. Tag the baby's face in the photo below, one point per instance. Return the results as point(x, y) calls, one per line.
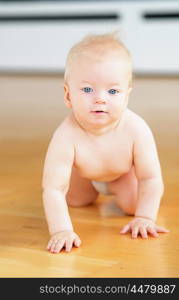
point(97, 90)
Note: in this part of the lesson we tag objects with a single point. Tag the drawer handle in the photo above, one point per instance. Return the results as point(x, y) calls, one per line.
point(161, 16)
point(51, 18)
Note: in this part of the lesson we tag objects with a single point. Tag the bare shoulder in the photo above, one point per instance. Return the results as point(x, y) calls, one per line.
point(59, 157)
point(63, 139)
point(136, 125)
point(65, 131)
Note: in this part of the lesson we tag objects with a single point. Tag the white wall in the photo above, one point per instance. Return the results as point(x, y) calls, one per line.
point(42, 46)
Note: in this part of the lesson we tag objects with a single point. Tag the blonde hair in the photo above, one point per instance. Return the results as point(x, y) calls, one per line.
point(98, 46)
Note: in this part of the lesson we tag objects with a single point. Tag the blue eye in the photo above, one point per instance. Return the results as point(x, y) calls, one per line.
point(112, 91)
point(87, 90)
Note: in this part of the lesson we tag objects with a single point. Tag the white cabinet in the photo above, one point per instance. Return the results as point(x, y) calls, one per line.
point(37, 36)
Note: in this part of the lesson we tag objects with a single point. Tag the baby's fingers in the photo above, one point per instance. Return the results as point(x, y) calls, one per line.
point(143, 233)
point(125, 229)
point(77, 242)
point(49, 244)
point(68, 245)
point(152, 232)
point(56, 246)
point(161, 229)
point(135, 232)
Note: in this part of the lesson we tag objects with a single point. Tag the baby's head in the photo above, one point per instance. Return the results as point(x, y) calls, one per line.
point(99, 48)
point(98, 78)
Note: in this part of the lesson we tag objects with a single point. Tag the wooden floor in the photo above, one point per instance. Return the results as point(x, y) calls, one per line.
point(104, 252)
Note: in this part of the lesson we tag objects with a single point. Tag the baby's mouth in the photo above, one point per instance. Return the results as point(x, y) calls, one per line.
point(99, 112)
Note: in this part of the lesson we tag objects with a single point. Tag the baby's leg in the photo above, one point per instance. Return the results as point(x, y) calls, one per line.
point(125, 191)
point(81, 192)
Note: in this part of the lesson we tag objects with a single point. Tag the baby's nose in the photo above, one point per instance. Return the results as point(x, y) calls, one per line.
point(100, 99)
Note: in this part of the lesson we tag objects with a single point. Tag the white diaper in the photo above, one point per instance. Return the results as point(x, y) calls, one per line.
point(101, 187)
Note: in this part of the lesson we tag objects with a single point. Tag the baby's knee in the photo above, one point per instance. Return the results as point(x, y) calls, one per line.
point(71, 201)
point(129, 210)
point(127, 203)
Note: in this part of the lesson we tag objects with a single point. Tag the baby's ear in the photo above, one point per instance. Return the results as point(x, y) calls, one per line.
point(129, 90)
point(127, 95)
point(67, 95)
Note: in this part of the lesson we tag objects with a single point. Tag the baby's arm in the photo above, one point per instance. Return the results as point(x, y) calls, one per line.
point(56, 179)
point(150, 185)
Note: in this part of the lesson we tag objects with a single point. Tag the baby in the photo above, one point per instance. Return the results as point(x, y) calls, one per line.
point(101, 146)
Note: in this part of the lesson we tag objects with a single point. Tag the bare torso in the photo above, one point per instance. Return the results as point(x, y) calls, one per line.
point(105, 157)
point(124, 157)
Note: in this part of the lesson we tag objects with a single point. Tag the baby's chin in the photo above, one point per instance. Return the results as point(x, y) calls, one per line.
point(100, 123)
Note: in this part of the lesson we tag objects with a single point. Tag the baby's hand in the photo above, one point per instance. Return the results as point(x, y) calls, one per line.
point(143, 227)
point(63, 239)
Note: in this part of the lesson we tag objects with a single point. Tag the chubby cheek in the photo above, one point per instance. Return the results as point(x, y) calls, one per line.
point(80, 105)
point(116, 109)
